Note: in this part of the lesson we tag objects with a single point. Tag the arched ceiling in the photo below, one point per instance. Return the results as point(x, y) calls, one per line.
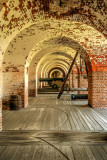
point(56, 70)
point(56, 66)
point(48, 59)
point(52, 63)
point(20, 12)
point(65, 42)
point(25, 31)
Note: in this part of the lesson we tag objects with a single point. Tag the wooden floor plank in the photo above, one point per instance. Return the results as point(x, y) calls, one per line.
point(74, 120)
point(86, 119)
point(56, 120)
point(93, 120)
point(52, 125)
point(76, 153)
point(32, 119)
point(46, 119)
point(18, 153)
point(67, 150)
point(96, 153)
point(64, 123)
point(45, 152)
point(2, 149)
point(73, 127)
point(23, 119)
point(78, 118)
point(34, 123)
point(105, 149)
point(13, 150)
point(102, 152)
point(82, 121)
point(59, 153)
point(102, 112)
point(51, 116)
point(38, 152)
point(83, 153)
point(8, 153)
point(31, 152)
point(18, 121)
point(41, 120)
point(25, 153)
point(101, 120)
point(89, 153)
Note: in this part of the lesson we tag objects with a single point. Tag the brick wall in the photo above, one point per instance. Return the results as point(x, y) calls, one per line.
point(83, 83)
point(32, 86)
point(98, 89)
point(14, 84)
point(0, 100)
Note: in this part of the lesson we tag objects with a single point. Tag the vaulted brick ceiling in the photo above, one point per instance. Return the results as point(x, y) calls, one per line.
point(30, 28)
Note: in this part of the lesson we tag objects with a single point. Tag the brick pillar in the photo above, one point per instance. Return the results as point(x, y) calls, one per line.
point(83, 84)
point(98, 89)
point(36, 87)
point(72, 80)
point(14, 84)
point(25, 87)
point(75, 80)
point(69, 79)
point(1, 85)
point(32, 86)
point(79, 82)
point(0, 100)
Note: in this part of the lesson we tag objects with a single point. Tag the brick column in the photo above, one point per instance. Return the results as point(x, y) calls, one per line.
point(83, 84)
point(0, 100)
point(32, 86)
point(70, 79)
point(14, 84)
point(98, 89)
point(79, 82)
point(26, 87)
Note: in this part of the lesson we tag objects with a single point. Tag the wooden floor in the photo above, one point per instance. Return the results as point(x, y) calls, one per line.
point(49, 113)
point(52, 129)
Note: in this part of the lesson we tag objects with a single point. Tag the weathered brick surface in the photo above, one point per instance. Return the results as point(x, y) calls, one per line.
point(32, 85)
point(14, 84)
point(98, 89)
point(0, 100)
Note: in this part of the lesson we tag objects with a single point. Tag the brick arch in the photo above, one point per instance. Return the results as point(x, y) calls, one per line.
point(58, 42)
point(56, 64)
point(55, 68)
point(53, 63)
point(41, 72)
point(56, 71)
point(92, 13)
point(50, 57)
